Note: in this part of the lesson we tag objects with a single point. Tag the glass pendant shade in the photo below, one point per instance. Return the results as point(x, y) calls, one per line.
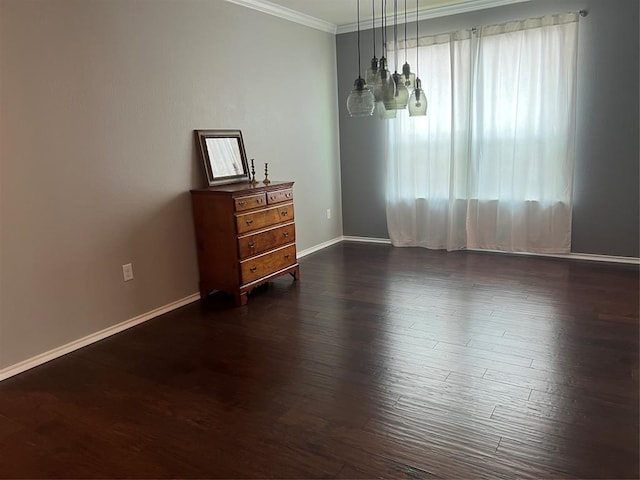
point(418, 101)
point(389, 96)
point(402, 96)
point(408, 78)
point(399, 98)
point(382, 78)
point(383, 113)
point(384, 86)
point(373, 72)
point(389, 92)
point(361, 101)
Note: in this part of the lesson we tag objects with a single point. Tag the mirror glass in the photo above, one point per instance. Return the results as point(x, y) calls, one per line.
point(223, 155)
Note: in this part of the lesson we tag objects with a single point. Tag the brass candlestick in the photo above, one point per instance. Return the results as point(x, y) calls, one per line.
point(253, 174)
point(266, 180)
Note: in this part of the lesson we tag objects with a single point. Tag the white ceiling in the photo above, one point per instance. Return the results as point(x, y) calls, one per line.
point(339, 16)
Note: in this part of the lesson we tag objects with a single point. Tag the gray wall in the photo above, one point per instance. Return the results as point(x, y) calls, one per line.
point(606, 187)
point(98, 103)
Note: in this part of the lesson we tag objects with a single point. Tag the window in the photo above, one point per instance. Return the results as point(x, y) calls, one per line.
point(491, 165)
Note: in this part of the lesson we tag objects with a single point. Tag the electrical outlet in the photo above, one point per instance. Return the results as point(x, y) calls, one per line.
point(127, 272)
point(328, 213)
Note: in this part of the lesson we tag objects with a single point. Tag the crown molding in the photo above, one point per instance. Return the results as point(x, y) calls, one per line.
point(279, 11)
point(464, 7)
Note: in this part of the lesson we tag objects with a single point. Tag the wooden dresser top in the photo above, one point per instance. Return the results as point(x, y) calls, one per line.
point(243, 187)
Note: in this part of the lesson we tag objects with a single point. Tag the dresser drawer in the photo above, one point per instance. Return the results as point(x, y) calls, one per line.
point(257, 243)
point(267, 263)
point(248, 222)
point(241, 204)
point(278, 196)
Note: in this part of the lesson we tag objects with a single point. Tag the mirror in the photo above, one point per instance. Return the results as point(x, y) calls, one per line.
point(223, 155)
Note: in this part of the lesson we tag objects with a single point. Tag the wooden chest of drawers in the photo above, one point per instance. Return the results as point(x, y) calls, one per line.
point(245, 236)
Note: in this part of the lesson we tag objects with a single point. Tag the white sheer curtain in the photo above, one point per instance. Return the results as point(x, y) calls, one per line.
point(491, 166)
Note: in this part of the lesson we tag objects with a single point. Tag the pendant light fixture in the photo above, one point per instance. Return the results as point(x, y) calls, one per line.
point(361, 101)
point(382, 66)
point(373, 72)
point(409, 78)
point(384, 81)
point(418, 99)
point(400, 97)
point(383, 93)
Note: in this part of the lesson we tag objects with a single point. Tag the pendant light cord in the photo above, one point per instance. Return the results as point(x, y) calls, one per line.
point(384, 30)
point(359, 69)
point(405, 31)
point(373, 27)
point(417, 41)
point(395, 30)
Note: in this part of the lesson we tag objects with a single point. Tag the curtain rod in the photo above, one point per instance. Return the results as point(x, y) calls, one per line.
point(474, 30)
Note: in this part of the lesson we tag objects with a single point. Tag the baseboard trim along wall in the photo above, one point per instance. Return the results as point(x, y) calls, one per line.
point(348, 238)
point(320, 246)
point(570, 256)
point(94, 337)
point(589, 257)
point(107, 332)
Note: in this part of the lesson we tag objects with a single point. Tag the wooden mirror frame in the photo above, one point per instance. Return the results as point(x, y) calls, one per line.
point(226, 164)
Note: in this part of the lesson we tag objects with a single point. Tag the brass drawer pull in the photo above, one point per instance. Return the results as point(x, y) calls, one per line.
point(288, 195)
point(242, 203)
point(272, 197)
point(252, 245)
point(259, 201)
point(249, 222)
point(287, 256)
point(253, 269)
point(284, 213)
point(286, 234)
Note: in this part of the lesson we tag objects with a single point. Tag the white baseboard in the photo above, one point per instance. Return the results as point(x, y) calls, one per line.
point(348, 238)
point(570, 256)
point(319, 247)
point(590, 257)
point(94, 337)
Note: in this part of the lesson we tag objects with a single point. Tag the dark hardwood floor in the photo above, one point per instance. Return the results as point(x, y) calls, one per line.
point(380, 363)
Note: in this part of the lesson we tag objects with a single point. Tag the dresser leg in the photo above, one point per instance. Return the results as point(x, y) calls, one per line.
point(241, 299)
point(296, 273)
